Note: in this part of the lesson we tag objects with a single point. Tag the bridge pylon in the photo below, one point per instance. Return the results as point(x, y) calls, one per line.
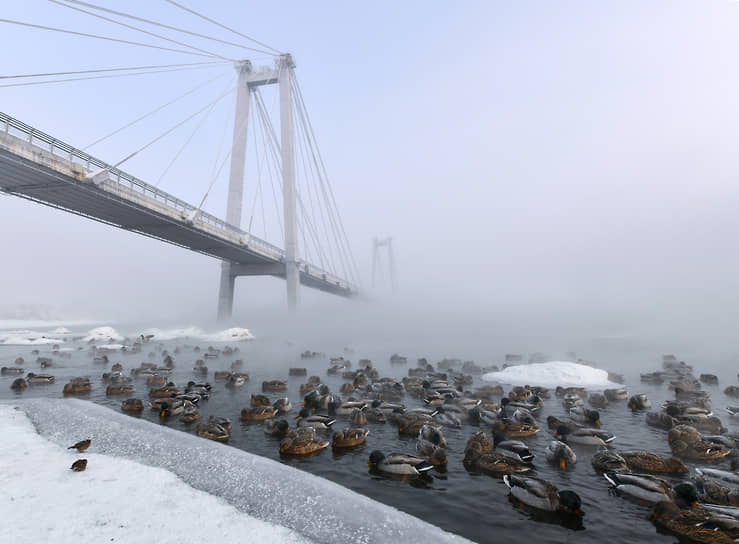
point(247, 79)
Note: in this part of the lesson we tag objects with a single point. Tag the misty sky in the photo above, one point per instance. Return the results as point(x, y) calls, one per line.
point(532, 159)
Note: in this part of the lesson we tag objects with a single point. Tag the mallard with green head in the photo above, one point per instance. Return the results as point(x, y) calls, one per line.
point(398, 464)
point(541, 495)
point(560, 454)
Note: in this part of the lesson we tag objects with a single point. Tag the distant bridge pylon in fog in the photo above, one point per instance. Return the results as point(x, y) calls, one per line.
point(43, 169)
point(377, 245)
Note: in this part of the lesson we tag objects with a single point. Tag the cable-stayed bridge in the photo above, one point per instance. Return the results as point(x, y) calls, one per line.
point(39, 167)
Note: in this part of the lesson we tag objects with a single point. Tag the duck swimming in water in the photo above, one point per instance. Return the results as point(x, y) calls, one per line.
point(431, 445)
point(650, 489)
point(639, 402)
point(560, 454)
point(302, 441)
point(609, 461)
point(698, 525)
point(542, 495)
point(583, 415)
point(644, 461)
point(319, 422)
point(399, 464)
point(584, 437)
point(277, 428)
point(687, 442)
point(349, 438)
point(258, 413)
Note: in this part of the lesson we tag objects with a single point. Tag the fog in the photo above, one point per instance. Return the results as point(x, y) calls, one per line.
point(552, 173)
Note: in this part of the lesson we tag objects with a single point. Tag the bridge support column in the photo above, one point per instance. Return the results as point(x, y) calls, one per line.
point(236, 182)
point(287, 144)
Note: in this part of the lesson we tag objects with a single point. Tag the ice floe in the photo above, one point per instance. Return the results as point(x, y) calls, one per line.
point(113, 500)
point(552, 374)
point(236, 334)
point(103, 334)
point(314, 507)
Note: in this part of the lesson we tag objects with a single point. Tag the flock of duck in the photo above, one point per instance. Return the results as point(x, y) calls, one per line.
point(703, 507)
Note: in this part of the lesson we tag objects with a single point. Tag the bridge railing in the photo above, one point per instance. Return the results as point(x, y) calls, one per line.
point(124, 184)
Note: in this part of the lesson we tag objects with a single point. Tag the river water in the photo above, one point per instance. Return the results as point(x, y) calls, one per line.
point(472, 505)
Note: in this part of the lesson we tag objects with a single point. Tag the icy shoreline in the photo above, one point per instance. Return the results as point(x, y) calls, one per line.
point(113, 500)
point(282, 496)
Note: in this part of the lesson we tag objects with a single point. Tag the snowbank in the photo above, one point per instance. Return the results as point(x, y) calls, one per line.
point(229, 335)
point(29, 340)
point(314, 507)
point(114, 499)
point(61, 330)
point(552, 374)
point(103, 334)
point(234, 334)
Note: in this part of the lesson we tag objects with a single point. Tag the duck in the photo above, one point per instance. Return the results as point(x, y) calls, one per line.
point(584, 436)
point(512, 448)
point(39, 379)
point(213, 431)
point(374, 414)
point(277, 428)
point(479, 415)
point(614, 395)
point(190, 414)
point(687, 442)
point(725, 475)
point(222, 421)
point(698, 525)
point(661, 420)
point(399, 464)
point(599, 400)
point(477, 444)
point(609, 461)
point(447, 418)
point(493, 463)
point(640, 402)
point(431, 445)
point(258, 413)
point(260, 400)
point(132, 405)
point(555, 423)
point(559, 453)
point(274, 385)
point(650, 489)
point(282, 405)
point(171, 407)
point(714, 492)
point(410, 423)
point(77, 386)
point(119, 390)
point(644, 461)
point(514, 429)
point(9, 371)
point(541, 495)
point(358, 418)
point(235, 380)
point(583, 415)
point(349, 438)
point(302, 441)
point(320, 422)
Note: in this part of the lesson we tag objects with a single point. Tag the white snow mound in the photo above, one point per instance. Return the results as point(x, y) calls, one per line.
point(113, 500)
point(552, 374)
point(61, 330)
point(103, 334)
point(235, 334)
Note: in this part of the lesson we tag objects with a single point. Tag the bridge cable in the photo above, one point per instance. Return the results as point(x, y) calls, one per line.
point(275, 147)
point(192, 135)
point(340, 251)
point(103, 70)
point(170, 130)
point(154, 34)
point(306, 120)
point(264, 124)
point(162, 25)
point(155, 110)
point(223, 26)
point(85, 35)
point(108, 76)
point(337, 223)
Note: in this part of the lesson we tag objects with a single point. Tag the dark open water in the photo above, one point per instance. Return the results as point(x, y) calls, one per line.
point(475, 506)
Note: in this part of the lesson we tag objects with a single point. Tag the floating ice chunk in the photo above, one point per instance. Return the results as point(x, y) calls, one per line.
point(53, 504)
point(109, 347)
point(552, 374)
point(103, 334)
point(235, 334)
point(279, 494)
point(27, 338)
point(172, 334)
point(61, 330)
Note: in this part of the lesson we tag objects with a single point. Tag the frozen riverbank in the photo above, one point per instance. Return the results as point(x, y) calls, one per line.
point(281, 496)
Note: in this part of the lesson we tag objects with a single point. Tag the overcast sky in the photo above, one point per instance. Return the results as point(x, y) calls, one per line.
point(531, 158)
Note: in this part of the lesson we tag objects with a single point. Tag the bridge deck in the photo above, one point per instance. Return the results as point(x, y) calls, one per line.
point(36, 166)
